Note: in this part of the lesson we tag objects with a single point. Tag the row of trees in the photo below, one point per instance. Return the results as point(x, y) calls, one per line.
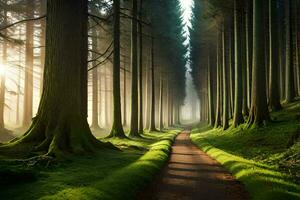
point(245, 58)
point(80, 38)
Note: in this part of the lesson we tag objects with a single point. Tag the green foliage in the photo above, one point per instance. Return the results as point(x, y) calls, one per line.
point(106, 175)
point(265, 159)
point(165, 17)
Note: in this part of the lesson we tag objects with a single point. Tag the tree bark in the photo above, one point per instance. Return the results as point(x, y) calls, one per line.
point(161, 123)
point(152, 111)
point(211, 111)
point(42, 43)
point(117, 128)
point(290, 85)
point(28, 81)
point(225, 80)
point(249, 44)
point(125, 94)
point(95, 90)
point(134, 124)
point(218, 101)
point(259, 112)
point(274, 97)
point(244, 63)
point(141, 103)
point(2, 76)
point(238, 115)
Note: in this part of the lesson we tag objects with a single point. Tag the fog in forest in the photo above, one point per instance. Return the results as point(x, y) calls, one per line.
point(22, 65)
point(150, 99)
point(190, 111)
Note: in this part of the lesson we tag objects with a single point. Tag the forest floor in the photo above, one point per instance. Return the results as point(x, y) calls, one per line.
point(191, 174)
point(266, 160)
point(107, 174)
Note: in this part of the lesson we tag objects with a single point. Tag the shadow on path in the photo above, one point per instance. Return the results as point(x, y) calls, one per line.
point(191, 174)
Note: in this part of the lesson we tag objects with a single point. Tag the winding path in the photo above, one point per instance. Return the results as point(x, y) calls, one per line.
point(191, 174)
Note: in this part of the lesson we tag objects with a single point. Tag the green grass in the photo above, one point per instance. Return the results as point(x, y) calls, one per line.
point(266, 160)
point(108, 174)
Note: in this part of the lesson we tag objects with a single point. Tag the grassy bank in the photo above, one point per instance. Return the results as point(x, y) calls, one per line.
point(266, 160)
point(110, 175)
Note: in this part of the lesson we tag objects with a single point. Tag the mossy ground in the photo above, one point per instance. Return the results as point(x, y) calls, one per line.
point(266, 160)
point(107, 174)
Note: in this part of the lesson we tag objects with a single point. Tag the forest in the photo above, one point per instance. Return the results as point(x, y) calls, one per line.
point(150, 99)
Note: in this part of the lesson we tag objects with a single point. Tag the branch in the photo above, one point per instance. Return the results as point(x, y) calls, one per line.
point(102, 54)
point(12, 40)
point(138, 20)
point(100, 18)
point(100, 63)
point(24, 20)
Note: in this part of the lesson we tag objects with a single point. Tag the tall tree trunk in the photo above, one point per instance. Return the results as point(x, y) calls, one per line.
point(259, 108)
point(95, 114)
point(125, 94)
point(141, 109)
point(42, 43)
point(218, 101)
point(231, 71)
point(171, 122)
point(224, 74)
point(238, 115)
point(282, 56)
point(244, 63)
point(117, 128)
point(134, 122)
point(211, 119)
point(2, 76)
point(290, 85)
point(146, 98)
point(28, 81)
point(106, 96)
point(297, 50)
point(274, 97)
point(60, 127)
point(152, 111)
point(249, 44)
point(161, 123)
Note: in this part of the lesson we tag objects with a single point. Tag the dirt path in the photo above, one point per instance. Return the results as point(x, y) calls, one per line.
point(191, 174)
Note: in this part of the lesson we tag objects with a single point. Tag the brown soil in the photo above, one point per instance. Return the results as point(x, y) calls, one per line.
point(191, 174)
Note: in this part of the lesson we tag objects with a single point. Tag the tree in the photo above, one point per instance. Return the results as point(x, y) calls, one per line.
point(218, 74)
point(95, 90)
point(274, 97)
point(225, 80)
point(259, 109)
point(238, 98)
point(134, 131)
point(152, 103)
point(290, 85)
point(211, 119)
point(60, 126)
point(2, 77)
point(117, 128)
point(161, 93)
point(125, 94)
point(28, 81)
point(141, 107)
